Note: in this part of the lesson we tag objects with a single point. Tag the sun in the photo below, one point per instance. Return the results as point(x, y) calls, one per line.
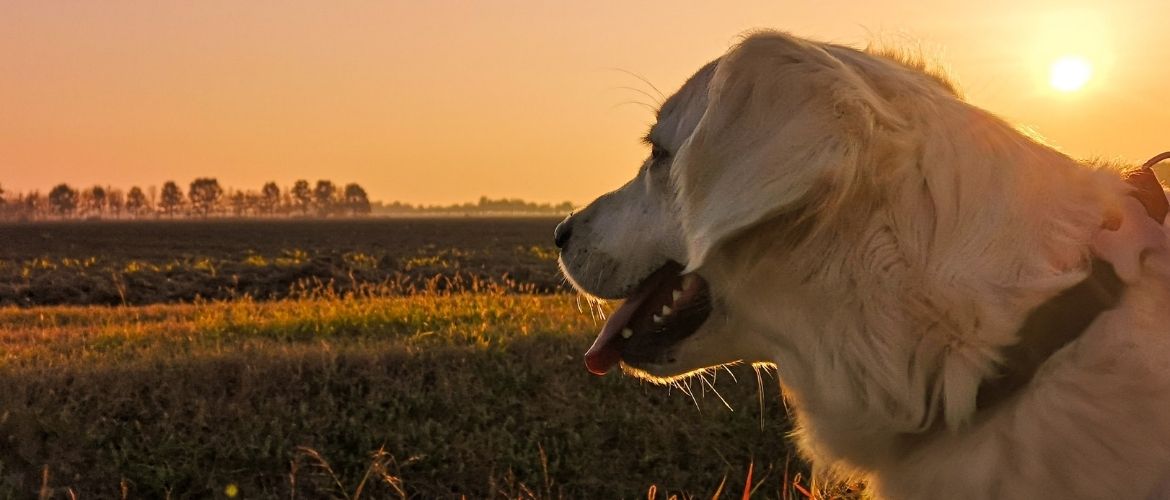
point(1070, 73)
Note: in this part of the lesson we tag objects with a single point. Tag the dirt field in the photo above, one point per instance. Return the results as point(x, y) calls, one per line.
point(111, 263)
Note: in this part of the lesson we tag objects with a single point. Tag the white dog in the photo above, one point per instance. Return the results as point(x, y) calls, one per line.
point(955, 310)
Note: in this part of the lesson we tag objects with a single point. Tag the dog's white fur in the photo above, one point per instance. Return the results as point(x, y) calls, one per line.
point(880, 241)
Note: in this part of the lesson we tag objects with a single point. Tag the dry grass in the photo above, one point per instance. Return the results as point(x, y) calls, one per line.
point(432, 395)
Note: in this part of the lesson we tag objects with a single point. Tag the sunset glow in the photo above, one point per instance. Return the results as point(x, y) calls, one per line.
point(444, 102)
point(1070, 73)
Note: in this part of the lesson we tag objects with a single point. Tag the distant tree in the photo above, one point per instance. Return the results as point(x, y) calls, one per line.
point(400, 207)
point(171, 198)
point(32, 204)
point(96, 200)
point(269, 197)
point(325, 196)
point(115, 202)
point(2, 200)
point(204, 195)
point(136, 202)
point(238, 200)
point(253, 203)
point(356, 200)
point(63, 200)
point(302, 195)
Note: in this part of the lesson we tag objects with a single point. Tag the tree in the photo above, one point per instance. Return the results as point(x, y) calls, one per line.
point(2, 200)
point(204, 195)
point(356, 200)
point(63, 199)
point(269, 197)
point(32, 204)
point(136, 202)
point(97, 200)
point(252, 203)
point(302, 196)
point(239, 203)
point(115, 201)
point(171, 198)
point(324, 196)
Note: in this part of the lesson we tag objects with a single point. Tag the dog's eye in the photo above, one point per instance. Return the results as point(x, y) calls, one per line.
point(659, 153)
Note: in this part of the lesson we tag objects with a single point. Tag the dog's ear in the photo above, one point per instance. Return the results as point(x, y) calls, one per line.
point(1134, 233)
point(784, 118)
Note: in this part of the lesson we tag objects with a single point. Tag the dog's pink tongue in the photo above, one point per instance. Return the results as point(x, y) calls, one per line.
point(607, 349)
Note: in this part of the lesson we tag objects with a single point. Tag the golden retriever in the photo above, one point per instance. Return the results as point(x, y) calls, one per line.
point(954, 310)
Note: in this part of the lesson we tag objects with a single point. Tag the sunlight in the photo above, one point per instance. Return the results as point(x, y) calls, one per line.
point(1070, 73)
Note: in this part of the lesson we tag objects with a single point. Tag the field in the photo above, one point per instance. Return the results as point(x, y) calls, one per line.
point(136, 263)
point(474, 388)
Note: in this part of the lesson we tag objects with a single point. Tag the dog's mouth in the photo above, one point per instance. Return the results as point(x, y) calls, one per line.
point(664, 309)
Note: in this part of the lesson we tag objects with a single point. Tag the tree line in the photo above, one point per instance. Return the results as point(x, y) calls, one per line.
point(203, 198)
point(484, 205)
point(206, 198)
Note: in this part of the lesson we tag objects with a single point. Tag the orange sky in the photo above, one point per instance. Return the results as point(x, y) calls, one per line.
point(442, 101)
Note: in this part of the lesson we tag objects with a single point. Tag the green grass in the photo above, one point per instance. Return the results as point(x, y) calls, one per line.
point(478, 394)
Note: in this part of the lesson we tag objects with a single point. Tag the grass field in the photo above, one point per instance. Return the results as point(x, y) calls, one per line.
point(453, 386)
point(479, 394)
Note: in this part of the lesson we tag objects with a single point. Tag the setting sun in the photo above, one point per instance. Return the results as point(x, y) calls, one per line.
point(1070, 73)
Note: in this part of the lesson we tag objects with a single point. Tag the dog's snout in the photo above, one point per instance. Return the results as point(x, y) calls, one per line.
point(563, 231)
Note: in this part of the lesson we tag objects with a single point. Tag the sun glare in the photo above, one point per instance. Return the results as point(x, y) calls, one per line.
point(1070, 73)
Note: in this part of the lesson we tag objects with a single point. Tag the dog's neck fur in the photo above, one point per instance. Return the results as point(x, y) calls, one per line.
point(946, 293)
point(1050, 327)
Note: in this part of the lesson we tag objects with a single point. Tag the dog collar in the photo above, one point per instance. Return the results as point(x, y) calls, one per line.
point(1063, 318)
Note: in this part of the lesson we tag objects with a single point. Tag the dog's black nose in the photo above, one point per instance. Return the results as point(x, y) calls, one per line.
point(563, 231)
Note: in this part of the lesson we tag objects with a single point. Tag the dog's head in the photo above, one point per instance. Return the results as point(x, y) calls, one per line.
point(841, 214)
point(753, 136)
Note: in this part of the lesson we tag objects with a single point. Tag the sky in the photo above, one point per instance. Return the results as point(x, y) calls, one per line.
point(442, 101)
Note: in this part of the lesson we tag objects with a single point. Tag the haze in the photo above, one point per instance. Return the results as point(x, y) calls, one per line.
point(442, 101)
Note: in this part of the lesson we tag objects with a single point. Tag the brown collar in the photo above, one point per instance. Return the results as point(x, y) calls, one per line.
point(1063, 318)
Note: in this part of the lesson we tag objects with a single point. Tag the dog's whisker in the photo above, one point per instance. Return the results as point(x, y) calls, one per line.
point(759, 393)
point(727, 369)
point(685, 387)
point(720, 396)
point(600, 305)
point(643, 80)
point(657, 100)
point(653, 109)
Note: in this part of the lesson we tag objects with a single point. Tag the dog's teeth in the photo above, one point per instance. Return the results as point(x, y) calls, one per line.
point(657, 319)
point(627, 333)
point(675, 295)
point(666, 311)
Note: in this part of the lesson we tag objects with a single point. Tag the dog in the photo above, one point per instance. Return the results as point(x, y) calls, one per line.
point(954, 309)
